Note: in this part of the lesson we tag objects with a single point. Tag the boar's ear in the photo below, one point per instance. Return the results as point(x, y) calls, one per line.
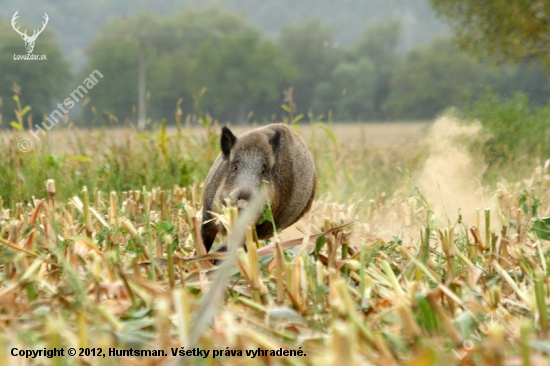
point(275, 140)
point(227, 141)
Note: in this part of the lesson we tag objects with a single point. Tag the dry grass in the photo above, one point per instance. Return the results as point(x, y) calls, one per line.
point(64, 139)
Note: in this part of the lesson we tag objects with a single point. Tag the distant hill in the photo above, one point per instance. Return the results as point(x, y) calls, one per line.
point(77, 23)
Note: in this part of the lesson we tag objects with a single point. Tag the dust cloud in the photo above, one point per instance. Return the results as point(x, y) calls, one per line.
point(450, 178)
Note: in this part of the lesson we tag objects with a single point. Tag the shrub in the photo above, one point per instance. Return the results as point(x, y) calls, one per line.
point(517, 129)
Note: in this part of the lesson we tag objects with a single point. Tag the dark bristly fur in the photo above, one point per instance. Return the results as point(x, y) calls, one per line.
point(273, 153)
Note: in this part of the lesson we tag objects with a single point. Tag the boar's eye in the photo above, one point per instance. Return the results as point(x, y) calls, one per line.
point(264, 169)
point(234, 167)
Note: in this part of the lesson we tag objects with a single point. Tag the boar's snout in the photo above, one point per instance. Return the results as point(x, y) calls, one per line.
point(240, 197)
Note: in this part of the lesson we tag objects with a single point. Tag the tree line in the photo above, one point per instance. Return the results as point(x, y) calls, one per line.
point(215, 59)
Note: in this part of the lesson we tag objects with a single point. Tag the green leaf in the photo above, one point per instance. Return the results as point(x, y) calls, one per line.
point(297, 118)
point(329, 133)
point(16, 125)
point(138, 323)
point(428, 319)
point(522, 201)
point(267, 216)
point(541, 227)
point(137, 314)
point(25, 111)
point(52, 160)
point(164, 226)
point(285, 314)
point(464, 323)
point(319, 243)
point(162, 139)
point(286, 108)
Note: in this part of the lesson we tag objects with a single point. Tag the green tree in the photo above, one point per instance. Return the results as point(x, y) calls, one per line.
point(351, 92)
point(42, 82)
point(357, 87)
point(528, 77)
point(116, 94)
point(311, 47)
point(379, 44)
point(516, 128)
point(237, 73)
point(186, 52)
point(508, 30)
point(432, 79)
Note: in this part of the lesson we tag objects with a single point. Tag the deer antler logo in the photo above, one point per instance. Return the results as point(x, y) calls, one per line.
point(29, 41)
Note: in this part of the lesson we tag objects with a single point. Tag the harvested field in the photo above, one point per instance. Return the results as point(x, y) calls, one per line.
point(395, 264)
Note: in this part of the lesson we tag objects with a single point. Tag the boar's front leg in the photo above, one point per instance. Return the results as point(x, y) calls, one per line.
point(209, 230)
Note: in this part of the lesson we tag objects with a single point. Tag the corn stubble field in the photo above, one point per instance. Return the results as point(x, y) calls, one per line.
point(99, 234)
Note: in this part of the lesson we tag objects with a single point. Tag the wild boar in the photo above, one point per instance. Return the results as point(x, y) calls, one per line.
point(275, 154)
